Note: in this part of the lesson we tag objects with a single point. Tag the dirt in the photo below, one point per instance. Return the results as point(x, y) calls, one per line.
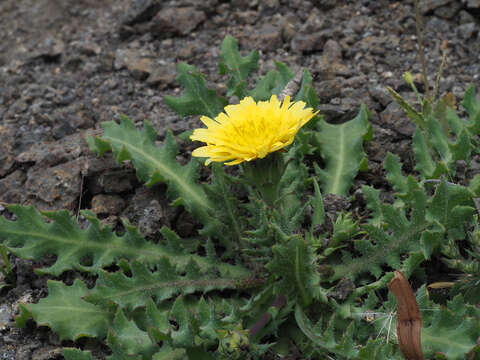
point(68, 65)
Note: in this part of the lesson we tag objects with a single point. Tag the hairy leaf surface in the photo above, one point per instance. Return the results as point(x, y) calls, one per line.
point(31, 237)
point(383, 247)
point(342, 151)
point(64, 311)
point(134, 291)
point(198, 99)
point(237, 66)
point(154, 164)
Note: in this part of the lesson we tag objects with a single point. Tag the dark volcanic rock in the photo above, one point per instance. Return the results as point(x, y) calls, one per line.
point(7, 145)
point(176, 21)
point(140, 11)
point(394, 118)
point(309, 42)
point(269, 37)
point(57, 187)
point(11, 188)
point(107, 204)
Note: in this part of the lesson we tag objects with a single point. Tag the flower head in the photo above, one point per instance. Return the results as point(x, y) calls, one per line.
point(250, 130)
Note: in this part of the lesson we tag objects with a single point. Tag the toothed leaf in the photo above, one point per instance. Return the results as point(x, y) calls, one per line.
point(386, 248)
point(157, 164)
point(341, 147)
point(292, 263)
point(198, 99)
point(424, 163)
point(76, 354)
point(449, 331)
point(272, 83)
point(452, 206)
point(133, 291)
point(183, 336)
point(67, 314)
point(31, 237)
point(237, 66)
point(307, 92)
point(124, 336)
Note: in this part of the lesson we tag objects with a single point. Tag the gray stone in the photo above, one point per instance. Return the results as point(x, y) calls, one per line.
point(163, 75)
point(380, 94)
point(464, 17)
point(50, 49)
point(393, 117)
point(473, 4)
point(329, 89)
point(11, 188)
point(467, 31)
point(429, 5)
point(176, 21)
point(107, 204)
point(309, 42)
point(5, 317)
point(7, 144)
point(139, 66)
point(46, 353)
point(330, 63)
point(269, 37)
point(152, 219)
point(56, 187)
point(449, 11)
point(337, 113)
point(140, 11)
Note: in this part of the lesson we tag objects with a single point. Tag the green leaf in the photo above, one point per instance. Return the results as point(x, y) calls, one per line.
point(227, 212)
point(318, 217)
point(342, 151)
point(378, 350)
point(470, 102)
point(199, 354)
point(169, 353)
point(154, 164)
point(372, 196)
point(133, 291)
point(68, 315)
point(449, 330)
point(430, 240)
point(76, 354)
point(125, 337)
point(207, 320)
point(198, 99)
point(292, 263)
point(237, 66)
point(413, 114)
point(325, 339)
point(452, 206)
point(272, 83)
point(439, 141)
point(395, 177)
point(461, 149)
point(31, 237)
point(307, 92)
point(158, 322)
point(424, 163)
point(454, 122)
point(183, 336)
point(386, 247)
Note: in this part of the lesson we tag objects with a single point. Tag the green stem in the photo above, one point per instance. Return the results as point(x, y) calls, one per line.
point(420, 49)
point(8, 265)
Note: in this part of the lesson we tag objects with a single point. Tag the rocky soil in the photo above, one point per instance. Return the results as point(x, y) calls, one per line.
point(68, 65)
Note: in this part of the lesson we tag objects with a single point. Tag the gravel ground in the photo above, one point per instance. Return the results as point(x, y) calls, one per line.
point(68, 65)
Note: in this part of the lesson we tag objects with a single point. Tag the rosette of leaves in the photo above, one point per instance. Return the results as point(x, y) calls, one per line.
point(156, 300)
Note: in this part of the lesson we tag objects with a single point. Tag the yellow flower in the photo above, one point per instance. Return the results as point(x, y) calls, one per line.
point(250, 130)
